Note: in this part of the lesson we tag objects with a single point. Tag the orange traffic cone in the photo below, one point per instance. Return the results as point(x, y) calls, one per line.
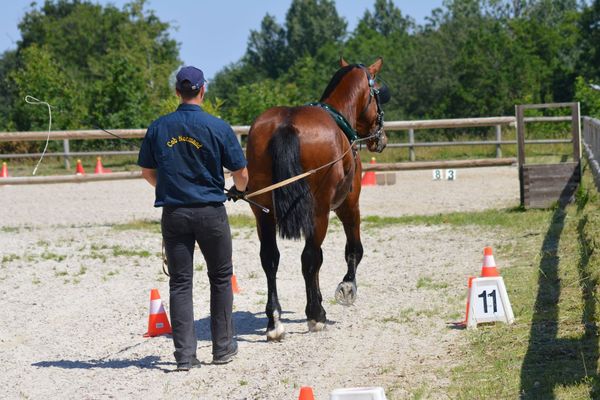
point(4, 173)
point(234, 285)
point(79, 168)
point(368, 178)
point(158, 323)
point(489, 265)
point(99, 168)
point(306, 393)
point(469, 286)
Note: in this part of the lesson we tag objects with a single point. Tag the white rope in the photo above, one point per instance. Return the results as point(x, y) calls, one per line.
point(32, 100)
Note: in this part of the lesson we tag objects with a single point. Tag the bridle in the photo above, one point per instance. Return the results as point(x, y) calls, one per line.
point(375, 93)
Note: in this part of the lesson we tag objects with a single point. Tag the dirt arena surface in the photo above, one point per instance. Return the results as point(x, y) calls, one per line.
point(75, 295)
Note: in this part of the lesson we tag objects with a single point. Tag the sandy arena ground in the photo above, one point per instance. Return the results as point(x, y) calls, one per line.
point(75, 295)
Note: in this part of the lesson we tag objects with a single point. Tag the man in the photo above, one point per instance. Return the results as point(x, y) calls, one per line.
point(183, 155)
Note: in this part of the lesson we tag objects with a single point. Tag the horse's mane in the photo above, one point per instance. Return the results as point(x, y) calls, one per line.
point(336, 79)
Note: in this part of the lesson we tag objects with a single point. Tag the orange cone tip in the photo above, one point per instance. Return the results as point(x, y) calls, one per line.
point(306, 393)
point(489, 265)
point(4, 173)
point(79, 168)
point(369, 178)
point(234, 285)
point(99, 168)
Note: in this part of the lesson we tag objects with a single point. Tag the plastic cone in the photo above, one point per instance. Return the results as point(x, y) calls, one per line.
point(4, 173)
point(234, 284)
point(489, 265)
point(79, 168)
point(369, 178)
point(306, 393)
point(469, 286)
point(99, 168)
point(158, 323)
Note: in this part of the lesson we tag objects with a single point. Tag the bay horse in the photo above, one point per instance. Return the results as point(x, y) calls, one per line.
point(284, 142)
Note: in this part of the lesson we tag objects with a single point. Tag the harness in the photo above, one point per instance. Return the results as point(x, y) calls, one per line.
point(381, 95)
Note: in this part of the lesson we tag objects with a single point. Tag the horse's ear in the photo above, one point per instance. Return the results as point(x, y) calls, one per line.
point(343, 62)
point(376, 66)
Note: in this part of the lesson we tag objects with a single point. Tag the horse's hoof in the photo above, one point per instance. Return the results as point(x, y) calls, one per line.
point(277, 333)
point(345, 294)
point(314, 326)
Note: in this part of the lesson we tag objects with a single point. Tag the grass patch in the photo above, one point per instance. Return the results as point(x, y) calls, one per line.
point(10, 229)
point(121, 251)
point(242, 221)
point(426, 282)
point(60, 273)
point(10, 257)
point(552, 350)
point(505, 218)
point(139, 225)
point(48, 255)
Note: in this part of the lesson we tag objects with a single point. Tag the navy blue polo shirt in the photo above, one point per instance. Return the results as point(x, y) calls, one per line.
point(189, 148)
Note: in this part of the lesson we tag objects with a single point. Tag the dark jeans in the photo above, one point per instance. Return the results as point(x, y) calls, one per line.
point(182, 228)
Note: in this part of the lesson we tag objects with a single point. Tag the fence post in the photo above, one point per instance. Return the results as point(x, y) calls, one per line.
point(411, 141)
point(66, 150)
point(498, 140)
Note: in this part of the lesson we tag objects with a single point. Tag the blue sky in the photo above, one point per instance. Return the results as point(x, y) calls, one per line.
point(214, 33)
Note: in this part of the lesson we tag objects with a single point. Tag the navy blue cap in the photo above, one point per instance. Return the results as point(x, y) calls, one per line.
point(191, 74)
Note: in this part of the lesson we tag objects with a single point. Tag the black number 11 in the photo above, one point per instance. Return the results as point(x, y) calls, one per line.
point(484, 295)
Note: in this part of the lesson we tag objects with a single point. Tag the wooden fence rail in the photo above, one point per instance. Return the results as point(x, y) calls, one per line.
point(242, 130)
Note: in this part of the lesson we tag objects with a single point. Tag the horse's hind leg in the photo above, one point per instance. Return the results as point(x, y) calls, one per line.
point(269, 258)
point(312, 259)
point(350, 216)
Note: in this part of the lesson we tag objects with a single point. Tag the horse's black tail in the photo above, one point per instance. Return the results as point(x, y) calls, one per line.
point(294, 203)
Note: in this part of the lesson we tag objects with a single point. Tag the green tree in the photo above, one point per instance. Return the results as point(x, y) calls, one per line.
point(253, 99)
point(589, 27)
point(8, 63)
point(588, 97)
point(312, 23)
point(115, 63)
point(43, 78)
point(387, 19)
point(267, 49)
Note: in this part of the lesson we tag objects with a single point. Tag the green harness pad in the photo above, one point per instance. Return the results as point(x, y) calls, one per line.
point(341, 121)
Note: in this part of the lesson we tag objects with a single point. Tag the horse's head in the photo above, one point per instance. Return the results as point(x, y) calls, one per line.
point(368, 95)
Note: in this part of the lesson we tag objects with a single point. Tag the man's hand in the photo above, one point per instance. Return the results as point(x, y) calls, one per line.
point(234, 194)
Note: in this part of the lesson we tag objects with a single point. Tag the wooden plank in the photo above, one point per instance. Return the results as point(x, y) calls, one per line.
point(548, 201)
point(561, 169)
point(33, 180)
point(552, 191)
point(546, 105)
point(564, 118)
point(550, 180)
point(447, 123)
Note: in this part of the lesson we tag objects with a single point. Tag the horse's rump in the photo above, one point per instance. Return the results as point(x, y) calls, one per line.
point(294, 203)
